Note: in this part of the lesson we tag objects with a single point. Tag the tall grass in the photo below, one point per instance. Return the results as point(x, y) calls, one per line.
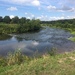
point(62, 64)
point(18, 58)
point(52, 51)
point(14, 58)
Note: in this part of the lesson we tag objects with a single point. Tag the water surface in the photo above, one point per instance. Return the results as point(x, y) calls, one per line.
point(37, 43)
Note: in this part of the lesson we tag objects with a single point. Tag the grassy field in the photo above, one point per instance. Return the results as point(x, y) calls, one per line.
point(62, 64)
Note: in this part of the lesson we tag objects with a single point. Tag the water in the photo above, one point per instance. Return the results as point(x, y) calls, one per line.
point(37, 43)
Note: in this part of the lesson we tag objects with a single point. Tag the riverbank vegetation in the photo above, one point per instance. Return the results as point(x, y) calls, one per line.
point(18, 64)
point(18, 25)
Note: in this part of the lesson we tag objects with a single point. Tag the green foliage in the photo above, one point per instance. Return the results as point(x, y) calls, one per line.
point(17, 25)
point(23, 20)
point(8, 28)
point(52, 52)
point(1, 19)
point(61, 23)
point(72, 39)
point(6, 19)
point(16, 58)
point(15, 20)
point(3, 61)
point(61, 64)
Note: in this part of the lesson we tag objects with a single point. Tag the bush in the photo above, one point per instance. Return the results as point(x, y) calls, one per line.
point(16, 58)
point(3, 61)
point(52, 52)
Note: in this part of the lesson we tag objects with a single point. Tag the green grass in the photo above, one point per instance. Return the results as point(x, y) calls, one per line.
point(62, 64)
point(72, 39)
point(73, 33)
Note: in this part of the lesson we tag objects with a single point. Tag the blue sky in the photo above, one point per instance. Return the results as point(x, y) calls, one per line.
point(40, 9)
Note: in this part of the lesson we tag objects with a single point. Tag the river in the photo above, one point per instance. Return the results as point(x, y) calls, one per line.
point(37, 43)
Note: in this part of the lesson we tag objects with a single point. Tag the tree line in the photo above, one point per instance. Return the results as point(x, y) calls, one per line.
point(66, 23)
point(15, 20)
point(18, 25)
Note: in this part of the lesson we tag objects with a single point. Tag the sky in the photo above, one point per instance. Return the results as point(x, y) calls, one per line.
point(45, 10)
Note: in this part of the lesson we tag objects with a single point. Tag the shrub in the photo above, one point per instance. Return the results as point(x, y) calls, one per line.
point(3, 61)
point(15, 58)
point(52, 52)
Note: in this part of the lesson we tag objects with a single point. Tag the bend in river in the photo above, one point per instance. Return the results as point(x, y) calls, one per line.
point(39, 42)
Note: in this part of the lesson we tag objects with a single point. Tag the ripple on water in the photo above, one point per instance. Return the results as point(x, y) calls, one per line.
point(45, 39)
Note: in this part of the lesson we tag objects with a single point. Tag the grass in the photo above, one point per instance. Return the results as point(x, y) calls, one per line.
point(72, 39)
point(62, 64)
point(73, 33)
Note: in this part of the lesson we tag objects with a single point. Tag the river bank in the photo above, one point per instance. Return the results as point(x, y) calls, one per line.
point(62, 64)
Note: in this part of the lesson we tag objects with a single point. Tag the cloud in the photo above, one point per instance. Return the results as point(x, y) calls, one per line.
point(24, 2)
point(12, 9)
point(61, 9)
point(47, 18)
point(29, 15)
point(70, 1)
point(66, 8)
point(50, 7)
point(56, 18)
point(12, 16)
point(36, 2)
point(43, 17)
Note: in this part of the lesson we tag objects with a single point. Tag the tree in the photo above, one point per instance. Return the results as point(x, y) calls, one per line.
point(15, 20)
point(27, 20)
point(23, 20)
point(6, 19)
point(1, 19)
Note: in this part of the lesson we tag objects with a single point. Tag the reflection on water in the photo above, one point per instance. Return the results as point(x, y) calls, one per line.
point(41, 41)
point(5, 37)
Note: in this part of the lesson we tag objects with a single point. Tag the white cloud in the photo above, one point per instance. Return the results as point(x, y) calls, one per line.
point(63, 8)
point(43, 17)
point(36, 2)
point(61, 17)
point(50, 7)
point(24, 2)
point(12, 16)
point(70, 1)
point(66, 8)
point(32, 16)
point(56, 18)
point(12, 9)
point(29, 15)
